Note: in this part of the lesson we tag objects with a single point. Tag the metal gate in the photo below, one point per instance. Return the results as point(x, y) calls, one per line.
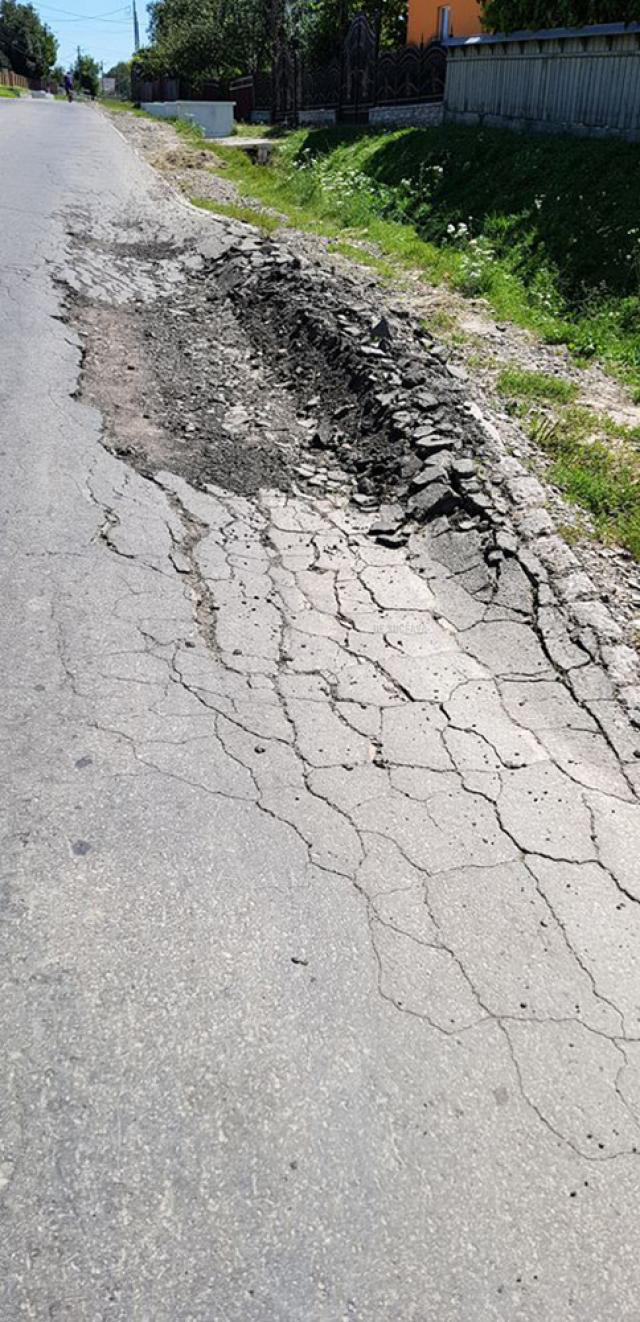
point(361, 77)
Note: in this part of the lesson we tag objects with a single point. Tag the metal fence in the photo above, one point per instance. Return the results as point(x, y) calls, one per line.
point(360, 78)
point(349, 86)
point(175, 89)
point(584, 80)
point(251, 93)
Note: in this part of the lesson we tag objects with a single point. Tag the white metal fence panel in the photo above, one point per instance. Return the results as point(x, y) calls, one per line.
point(584, 80)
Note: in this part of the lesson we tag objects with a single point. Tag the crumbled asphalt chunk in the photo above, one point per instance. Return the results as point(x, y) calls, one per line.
point(354, 363)
point(390, 519)
point(430, 473)
point(463, 467)
point(432, 500)
point(432, 445)
point(393, 539)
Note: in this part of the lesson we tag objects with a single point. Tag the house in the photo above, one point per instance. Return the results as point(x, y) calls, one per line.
point(428, 19)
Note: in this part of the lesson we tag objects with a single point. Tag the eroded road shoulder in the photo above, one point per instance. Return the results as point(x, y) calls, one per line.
point(352, 1028)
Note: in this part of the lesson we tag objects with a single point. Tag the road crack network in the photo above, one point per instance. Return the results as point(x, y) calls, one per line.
point(421, 693)
point(278, 591)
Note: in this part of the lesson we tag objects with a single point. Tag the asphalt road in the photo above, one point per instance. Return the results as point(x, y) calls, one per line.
point(291, 1030)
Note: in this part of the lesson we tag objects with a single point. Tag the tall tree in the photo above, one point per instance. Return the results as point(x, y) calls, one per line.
point(533, 15)
point(122, 74)
point(27, 42)
point(202, 39)
point(86, 73)
point(323, 23)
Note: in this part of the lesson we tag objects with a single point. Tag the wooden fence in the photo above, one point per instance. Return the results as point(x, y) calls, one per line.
point(584, 80)
point(10, 79)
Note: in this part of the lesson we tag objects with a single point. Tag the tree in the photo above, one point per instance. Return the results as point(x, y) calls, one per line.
point(149, 62)
point(322, 24)
point(27, 42)
point(86, 73)
point(211, 39)
point(202, 39)
point(122, 74)
point(532, 15)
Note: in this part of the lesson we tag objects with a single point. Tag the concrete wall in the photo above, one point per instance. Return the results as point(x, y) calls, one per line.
point(317, 117)
point(215, 118)
point(160, 109)
point(584, 81)
point(419, 114)
point(392, 116)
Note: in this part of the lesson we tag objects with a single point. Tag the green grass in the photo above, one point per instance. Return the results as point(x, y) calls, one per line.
point(327, 210)
point(186, 129)
point(258, 130)
point(573, 533)
point(547, 229)
point(9, 91)
point(122, 107)
point(441, 321)
point(596, 463)
point(355, 253)
point(247, 214)
point(516, 383)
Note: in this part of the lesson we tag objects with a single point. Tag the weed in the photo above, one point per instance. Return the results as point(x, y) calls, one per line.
point(249, 215)
point(480, 360)
point(124, 107)
point(516, 383)
point(440, 321)
point(600, 476)
point(573, 533)
point(365, 258)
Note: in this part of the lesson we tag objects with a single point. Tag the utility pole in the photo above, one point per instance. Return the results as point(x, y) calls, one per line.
point(276, 42)
point(342, 30)
point(136, 29)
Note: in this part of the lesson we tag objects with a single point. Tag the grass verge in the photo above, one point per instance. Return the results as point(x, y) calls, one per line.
point(247, 214)
point(547, 229)
point(9, 91)
point(516, 383)
point(596, 464)
point(595, 461)
point(123, 107)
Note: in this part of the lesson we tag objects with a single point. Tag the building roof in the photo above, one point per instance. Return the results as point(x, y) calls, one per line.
point(547, 34)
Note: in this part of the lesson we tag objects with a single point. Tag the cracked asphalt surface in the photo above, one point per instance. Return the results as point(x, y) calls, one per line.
point(321, 897)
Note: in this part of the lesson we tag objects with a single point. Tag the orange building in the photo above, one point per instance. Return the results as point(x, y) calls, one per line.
point(428, 19)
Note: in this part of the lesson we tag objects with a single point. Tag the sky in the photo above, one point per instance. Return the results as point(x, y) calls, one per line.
point(102, 28)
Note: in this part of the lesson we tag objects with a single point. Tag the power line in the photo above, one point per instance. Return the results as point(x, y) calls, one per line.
point(117, 22)
point(124, 9)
